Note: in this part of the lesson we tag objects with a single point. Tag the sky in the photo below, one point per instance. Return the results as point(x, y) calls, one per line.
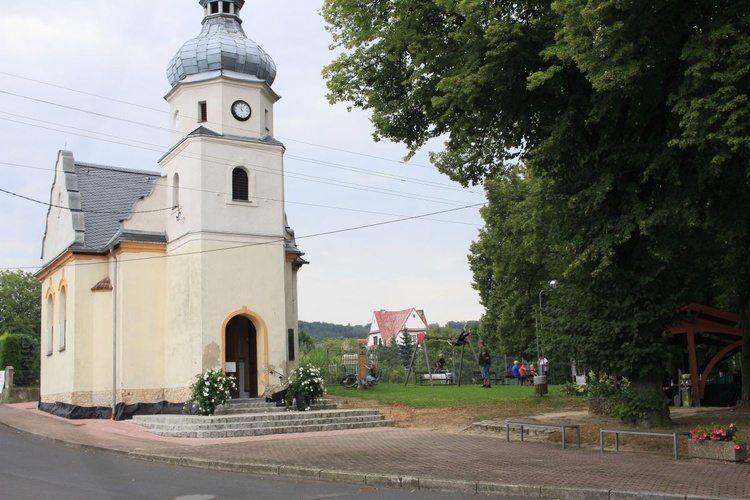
point(90, 77)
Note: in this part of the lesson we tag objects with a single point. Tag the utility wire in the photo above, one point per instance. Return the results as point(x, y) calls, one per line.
point(267, 199)
point(281, 240)
point(165, 129)
point(112, 99)
point(223, 161)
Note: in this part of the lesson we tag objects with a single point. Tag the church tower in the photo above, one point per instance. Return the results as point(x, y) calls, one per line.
point(234, 261)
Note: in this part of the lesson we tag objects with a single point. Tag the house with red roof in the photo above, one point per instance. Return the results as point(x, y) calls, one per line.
point(388, 325)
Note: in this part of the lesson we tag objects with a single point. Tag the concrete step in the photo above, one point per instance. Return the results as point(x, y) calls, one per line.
point(242, 406)
point(248, 418)
point(264, 431)
point(259, 423)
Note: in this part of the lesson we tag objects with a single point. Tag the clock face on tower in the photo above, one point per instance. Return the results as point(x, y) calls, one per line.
point(241, 110)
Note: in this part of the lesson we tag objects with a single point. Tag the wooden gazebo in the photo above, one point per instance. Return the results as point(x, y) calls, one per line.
point(707, 326)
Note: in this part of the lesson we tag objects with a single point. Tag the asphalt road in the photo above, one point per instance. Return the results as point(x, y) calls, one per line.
point(33, 468)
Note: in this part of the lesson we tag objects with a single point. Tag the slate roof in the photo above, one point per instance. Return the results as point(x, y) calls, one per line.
point(108, 195)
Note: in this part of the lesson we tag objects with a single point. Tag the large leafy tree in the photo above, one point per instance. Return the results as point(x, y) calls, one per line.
point(631, 122)
point(20, 310)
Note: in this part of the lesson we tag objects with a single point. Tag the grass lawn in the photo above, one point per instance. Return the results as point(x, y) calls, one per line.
point(447, 396)
point(442, 407)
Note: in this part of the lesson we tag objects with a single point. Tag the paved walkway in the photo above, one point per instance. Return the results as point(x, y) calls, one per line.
point(411, 459)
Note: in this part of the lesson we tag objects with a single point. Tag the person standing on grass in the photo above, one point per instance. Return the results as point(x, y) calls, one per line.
point(516, 372)
point(484, 363)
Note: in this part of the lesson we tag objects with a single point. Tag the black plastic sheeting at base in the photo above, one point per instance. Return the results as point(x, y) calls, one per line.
point(277, 397)
point(122, 411)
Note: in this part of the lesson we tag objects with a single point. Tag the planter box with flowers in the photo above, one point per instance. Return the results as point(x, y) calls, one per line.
point(305, 387)
point(209, 390)
point(717, 442)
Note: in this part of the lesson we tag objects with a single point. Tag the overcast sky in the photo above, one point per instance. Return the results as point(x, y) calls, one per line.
point(90, 77)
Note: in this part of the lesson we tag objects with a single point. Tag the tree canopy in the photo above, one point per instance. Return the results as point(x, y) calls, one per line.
point(20, 299)
point(613, 141)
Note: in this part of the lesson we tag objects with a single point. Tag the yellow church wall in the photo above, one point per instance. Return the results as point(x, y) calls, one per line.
point(214, 280)
point(141, 302)
point(89, 334)
point(182, 316)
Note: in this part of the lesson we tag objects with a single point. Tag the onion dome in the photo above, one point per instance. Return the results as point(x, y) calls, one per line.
point(221, 46)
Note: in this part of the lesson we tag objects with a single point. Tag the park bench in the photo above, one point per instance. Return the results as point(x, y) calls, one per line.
point(617, 433)
point(494, 378)
point(445, 378)
point(536, 425)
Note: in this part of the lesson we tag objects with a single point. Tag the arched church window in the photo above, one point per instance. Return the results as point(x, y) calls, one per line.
point(63, 312)
point(240, 185)
point(50, 323)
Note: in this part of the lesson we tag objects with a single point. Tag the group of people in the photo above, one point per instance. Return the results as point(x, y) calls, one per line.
point(524, 372)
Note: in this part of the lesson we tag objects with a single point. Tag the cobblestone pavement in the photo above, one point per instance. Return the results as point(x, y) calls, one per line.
point(401, 458)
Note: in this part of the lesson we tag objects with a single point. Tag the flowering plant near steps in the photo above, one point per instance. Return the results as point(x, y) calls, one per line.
point(210, 390)
point(305, 380)
point(717, 433)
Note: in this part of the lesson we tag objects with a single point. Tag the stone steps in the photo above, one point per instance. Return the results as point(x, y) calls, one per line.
point(243, 406)
point(257, 418)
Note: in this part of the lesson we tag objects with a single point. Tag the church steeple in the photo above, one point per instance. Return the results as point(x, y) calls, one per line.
point(222, 7)
point(221, 46)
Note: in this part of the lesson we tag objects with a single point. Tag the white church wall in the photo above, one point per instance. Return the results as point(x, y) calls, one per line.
point(182, 317)
point(185, 102)
point(59, 232)
point(149, 213)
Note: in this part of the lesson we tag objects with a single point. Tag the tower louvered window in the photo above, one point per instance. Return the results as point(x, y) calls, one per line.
point(240, 189)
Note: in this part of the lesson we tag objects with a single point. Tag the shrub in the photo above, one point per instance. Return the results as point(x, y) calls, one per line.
point(305, 380)
point(571, 389)
point(601, 386)
point(209, 391)
point(22, 353)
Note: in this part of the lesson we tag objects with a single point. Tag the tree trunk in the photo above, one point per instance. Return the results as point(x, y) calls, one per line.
point(651, 394)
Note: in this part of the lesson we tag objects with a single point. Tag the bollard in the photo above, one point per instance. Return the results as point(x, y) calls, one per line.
point(540, 384)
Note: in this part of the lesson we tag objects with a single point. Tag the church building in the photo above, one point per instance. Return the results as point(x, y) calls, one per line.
point(150, 278)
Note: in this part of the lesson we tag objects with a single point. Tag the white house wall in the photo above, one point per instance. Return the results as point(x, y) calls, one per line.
point(60, 233)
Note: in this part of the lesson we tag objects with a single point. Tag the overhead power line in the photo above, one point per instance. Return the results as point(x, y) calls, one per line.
point(280, 240)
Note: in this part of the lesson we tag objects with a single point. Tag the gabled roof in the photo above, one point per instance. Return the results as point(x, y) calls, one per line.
point(391, 323)
point(108, 195)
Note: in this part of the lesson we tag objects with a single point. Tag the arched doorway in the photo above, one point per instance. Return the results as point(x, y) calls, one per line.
point(242, 351)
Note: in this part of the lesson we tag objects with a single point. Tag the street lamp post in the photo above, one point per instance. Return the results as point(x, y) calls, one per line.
point(540, 380)
point(552, 284)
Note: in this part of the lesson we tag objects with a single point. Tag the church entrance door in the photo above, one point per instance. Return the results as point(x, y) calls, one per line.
point(242, 353)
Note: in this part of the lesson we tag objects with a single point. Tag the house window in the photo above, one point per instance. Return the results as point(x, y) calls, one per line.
point(240, 185)
point(63, 312)
point(202, 112)
point(290, 343)
point(50, 322)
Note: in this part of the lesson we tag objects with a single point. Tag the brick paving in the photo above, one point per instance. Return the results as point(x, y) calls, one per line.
point(392, 457)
